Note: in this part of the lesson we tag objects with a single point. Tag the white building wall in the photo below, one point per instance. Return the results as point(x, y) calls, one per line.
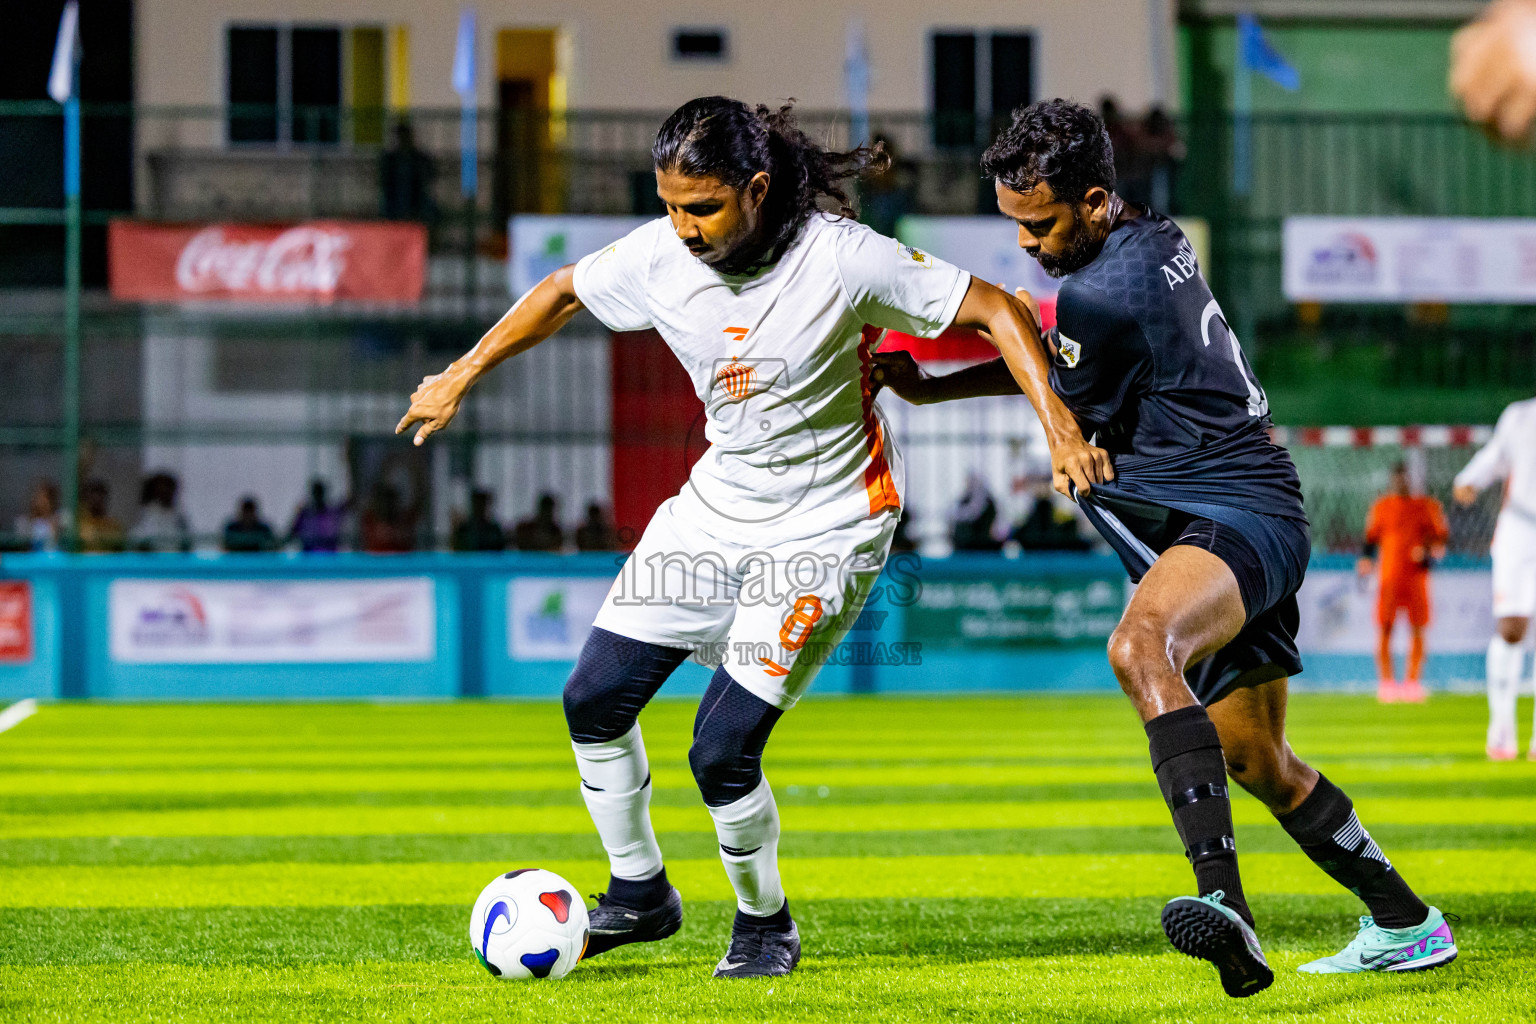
point(618, 48)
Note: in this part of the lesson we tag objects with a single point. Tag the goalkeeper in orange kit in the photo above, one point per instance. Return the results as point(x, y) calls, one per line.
point(1404, 534)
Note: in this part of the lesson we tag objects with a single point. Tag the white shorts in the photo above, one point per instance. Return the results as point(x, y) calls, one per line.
point(1514, 567)
point(770, 613)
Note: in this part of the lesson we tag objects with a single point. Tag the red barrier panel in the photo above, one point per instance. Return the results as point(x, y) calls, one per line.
point(315, 261)
point(657, 428)
point(956, 344)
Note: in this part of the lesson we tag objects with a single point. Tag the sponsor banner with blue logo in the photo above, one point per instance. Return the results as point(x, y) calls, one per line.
point(540, 244)
point(548, 616)
point(155, 621)
point(1410, 259)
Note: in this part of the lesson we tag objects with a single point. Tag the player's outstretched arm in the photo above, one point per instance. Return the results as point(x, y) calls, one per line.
point(1016, 334)
point(1490, 465)
point(543, 311)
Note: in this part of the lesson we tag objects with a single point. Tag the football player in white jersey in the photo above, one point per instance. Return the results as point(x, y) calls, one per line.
point(763, 560)
point(1510, 456)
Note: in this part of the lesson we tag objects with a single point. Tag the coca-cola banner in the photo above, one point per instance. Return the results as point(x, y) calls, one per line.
point(314, 261)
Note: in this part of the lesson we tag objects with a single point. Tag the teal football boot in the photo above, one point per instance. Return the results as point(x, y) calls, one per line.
point(1391, 949)
point(1206, 928)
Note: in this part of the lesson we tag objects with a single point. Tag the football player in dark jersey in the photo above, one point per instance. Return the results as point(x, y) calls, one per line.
point(1205, 512)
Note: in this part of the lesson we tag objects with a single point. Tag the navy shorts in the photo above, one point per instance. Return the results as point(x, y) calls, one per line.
point(1266, 553)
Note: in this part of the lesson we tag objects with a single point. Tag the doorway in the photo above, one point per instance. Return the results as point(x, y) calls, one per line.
point(530, 108)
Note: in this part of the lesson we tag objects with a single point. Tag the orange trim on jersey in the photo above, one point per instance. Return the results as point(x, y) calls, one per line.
point(773, 668)
point(879, 485)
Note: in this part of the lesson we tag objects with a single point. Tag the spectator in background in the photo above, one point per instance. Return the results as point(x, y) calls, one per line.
point(1164, 151)
point(161, 526)
point(317, 524)
point(99, 531)
point(971, 523)
point(479, 532)
point(247, 532)
point(885, 196)
point(405, 178)
point(388, 525)
point(901, 540)
point(1124, 140)
point(542, 532)
point(41, 527)
point(1048, 528)
point(596, 533)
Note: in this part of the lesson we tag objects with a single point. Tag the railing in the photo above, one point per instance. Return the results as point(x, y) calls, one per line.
point(331, 380)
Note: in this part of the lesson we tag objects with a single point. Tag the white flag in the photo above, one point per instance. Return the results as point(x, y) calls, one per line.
point(61, 80)
point(464, 73)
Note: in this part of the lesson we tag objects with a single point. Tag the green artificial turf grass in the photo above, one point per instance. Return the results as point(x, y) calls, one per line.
point(962, 859)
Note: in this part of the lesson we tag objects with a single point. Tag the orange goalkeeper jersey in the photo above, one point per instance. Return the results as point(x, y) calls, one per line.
point(1405, 528)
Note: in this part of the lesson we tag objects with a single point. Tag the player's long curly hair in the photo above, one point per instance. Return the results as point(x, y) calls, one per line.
point(723, 138)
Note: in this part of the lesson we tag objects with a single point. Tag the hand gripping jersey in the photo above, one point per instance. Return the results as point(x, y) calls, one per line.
point(1510, 456)
point(780, 359)
point(1147, 363)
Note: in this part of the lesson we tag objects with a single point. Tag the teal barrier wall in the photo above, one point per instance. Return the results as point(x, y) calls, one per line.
point(965, 623)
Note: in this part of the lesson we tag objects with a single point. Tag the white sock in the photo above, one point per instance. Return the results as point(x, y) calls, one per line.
point(1505, 662)
point(748, 830)
point(616, 784)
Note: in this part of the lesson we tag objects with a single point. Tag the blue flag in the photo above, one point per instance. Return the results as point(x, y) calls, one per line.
point(1258, 54)
point(61, 78)
point(464, 64)
point(465, 75)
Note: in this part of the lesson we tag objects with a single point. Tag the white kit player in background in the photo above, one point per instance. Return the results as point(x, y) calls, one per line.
point(1510, 457)
point(763, 560)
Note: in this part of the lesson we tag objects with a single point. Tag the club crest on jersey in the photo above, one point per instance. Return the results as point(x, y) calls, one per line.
point(736, 379)
point(741, 378)
point(1070, 350)
point(916, 255)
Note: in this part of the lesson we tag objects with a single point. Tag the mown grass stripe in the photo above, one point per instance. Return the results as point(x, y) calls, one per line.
point(1103, 988)
point(361, 820)
point(1052, 876)
point(955, 930)
point(537, 848)
point(913, 773)
point(1515, 786)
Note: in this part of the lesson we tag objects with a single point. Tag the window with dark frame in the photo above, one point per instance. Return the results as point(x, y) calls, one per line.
point(283, 84)
point(700, 44)
point(252, 85)
point(978, 79)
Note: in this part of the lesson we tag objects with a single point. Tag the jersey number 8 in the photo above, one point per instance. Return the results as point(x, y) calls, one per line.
point(802, 619)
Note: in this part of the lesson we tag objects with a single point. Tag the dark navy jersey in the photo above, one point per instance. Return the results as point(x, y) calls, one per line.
point(1148, 364)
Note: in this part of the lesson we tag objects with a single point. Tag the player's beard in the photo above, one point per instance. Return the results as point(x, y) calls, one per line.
point(1081, 251)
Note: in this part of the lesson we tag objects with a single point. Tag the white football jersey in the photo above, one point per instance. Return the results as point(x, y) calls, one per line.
point(1510, 455)
point(780, 359)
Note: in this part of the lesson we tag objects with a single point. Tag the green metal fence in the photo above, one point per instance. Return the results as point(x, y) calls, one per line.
point(1344, 364)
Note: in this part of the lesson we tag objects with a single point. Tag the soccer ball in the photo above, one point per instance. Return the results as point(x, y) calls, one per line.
point(529, 924)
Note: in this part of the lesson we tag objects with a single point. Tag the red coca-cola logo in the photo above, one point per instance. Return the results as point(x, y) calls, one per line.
point(300, 260)
point(317, 261)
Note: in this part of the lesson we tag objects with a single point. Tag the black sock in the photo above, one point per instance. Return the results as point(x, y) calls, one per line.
point(775, 922)
point(1327, 829)
point(1186, 755)
point(640, 893)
